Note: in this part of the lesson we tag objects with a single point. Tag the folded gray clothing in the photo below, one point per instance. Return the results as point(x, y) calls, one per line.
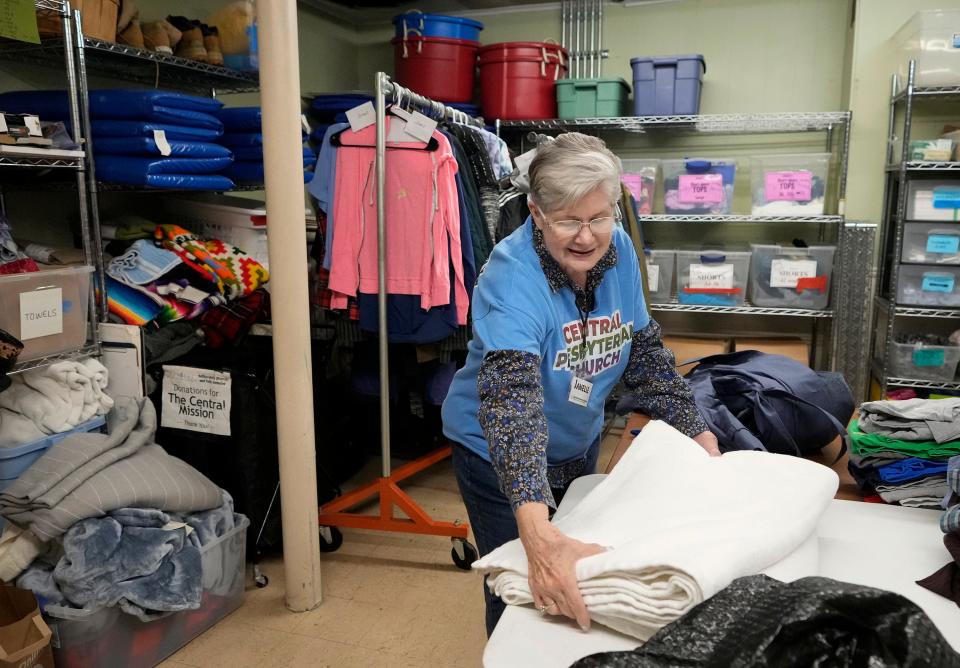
point(913, 419)
point(876, 459)
point(934, 487)
point(89, 475)
point(931, 502)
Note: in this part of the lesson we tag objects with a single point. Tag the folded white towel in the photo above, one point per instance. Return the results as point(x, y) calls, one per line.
point(61, 396)
point(679, 527)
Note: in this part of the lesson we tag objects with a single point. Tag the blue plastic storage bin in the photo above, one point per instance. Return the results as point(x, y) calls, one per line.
point(667, 86)
point(16, 460)
point(436, 25)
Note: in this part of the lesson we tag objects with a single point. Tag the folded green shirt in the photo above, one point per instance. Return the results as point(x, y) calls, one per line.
point(864, 444)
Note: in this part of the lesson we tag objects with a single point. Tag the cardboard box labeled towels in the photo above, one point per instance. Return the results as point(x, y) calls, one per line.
point(24, 636)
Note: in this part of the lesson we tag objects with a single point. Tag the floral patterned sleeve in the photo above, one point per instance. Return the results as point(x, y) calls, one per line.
point(514, 424)
point(655, 387)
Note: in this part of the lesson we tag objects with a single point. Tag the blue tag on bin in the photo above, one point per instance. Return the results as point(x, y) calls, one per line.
point(946, 197)
point(929, 357)
point(943, 243)
point(937, 283)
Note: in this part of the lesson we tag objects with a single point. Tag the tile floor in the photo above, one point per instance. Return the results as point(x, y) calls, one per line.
point(388, 600)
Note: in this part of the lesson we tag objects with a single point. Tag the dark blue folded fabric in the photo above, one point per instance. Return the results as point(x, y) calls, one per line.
point(147, 146)
point(913, 468)
point(149, 105)
point(168, 165)
point(339, 101)
point(242, 119)
point(115, 128)
point(255, 153)
point(253, 172)
point(235, 139)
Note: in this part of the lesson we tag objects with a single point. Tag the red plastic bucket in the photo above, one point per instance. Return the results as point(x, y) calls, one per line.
point(437, 67)
point(517, 79)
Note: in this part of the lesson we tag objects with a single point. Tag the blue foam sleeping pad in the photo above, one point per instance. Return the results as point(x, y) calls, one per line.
point(252, 172)
point(147, 146)
point(187, 173)
point(234, 139)
point(108, 128)
point(255, 154)
point(148, 105)
point(339, 102)
point(240, 119)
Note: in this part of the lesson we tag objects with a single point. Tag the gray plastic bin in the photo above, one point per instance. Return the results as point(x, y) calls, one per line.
point(787, 277)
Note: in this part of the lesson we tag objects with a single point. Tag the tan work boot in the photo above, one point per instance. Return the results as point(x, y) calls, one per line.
point(211, 41)
point(132, 35)
point(156, 38)
point(191, 44)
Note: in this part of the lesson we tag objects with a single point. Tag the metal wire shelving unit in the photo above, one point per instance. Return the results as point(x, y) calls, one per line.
point(63, 161)
point(852, 275)
point(899, 173)
point(127, 63)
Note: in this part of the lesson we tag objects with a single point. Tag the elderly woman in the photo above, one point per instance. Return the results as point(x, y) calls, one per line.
point(558, 320)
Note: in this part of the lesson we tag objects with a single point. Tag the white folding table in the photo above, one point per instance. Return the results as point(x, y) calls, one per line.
point(888, 547)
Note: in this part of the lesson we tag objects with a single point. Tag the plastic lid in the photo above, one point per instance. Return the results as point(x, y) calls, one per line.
point(669, 60)
point(416, 15)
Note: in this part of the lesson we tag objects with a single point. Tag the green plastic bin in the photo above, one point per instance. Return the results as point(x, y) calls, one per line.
point(592, 98)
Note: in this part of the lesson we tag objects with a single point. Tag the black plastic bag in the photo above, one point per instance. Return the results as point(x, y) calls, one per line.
point(759, 621)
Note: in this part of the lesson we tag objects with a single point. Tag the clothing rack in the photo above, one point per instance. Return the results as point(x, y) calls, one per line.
point(387, 488)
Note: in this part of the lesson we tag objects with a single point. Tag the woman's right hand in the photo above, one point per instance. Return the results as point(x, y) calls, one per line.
point(552, 557)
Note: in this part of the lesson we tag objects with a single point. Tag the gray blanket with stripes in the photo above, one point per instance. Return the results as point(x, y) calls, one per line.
point(89, 475)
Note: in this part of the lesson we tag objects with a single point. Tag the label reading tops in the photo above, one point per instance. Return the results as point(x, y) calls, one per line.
point(160, 139)
point(362, 116)
point(41, 313)
point(196, 399)
point(580, 390)
point(786, 273)
point(788, 186)
point(701, 189)
point(653, 277)
point(711, 276)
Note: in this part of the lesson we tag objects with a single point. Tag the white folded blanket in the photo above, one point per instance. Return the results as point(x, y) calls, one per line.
point(679, 526)
point(61, 396)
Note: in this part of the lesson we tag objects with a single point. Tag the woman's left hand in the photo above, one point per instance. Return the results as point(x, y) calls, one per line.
point(708, 442)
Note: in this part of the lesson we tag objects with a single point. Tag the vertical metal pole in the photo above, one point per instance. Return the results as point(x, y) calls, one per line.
point(293, 366)
point(594, 54)
point(578, 29)
point(899, 215)
point(563, 23)
point(599, 38)
point(380, 168)
point(91, 172)
point(91, 255)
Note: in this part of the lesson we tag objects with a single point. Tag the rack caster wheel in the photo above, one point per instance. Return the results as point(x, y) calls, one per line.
point(259, 578)
point(330, 539)
point(463, 554)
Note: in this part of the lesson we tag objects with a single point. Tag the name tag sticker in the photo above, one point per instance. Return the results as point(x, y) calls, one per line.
point(580, 390)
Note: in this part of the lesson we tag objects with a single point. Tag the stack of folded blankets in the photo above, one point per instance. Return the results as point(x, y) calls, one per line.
point(901, 450)
point(148, 138)
point(244, 138)
point(180, 276)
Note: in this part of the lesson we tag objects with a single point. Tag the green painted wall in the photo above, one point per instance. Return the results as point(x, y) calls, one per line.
point(874, 60)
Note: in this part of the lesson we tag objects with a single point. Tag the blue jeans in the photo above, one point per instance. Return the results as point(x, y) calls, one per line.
point(491, 516)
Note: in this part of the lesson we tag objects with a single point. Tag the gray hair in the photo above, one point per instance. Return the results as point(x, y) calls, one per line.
point(568, 168)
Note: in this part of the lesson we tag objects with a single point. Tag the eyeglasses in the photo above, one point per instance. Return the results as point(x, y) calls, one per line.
point(571, 228)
